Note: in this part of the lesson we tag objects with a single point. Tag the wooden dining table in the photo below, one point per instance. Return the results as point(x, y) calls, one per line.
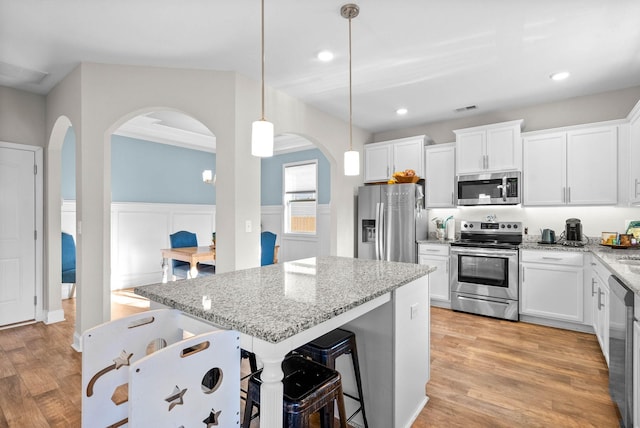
point(191, 255)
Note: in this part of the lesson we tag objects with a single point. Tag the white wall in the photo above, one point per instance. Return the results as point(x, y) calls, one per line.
point(22, 117)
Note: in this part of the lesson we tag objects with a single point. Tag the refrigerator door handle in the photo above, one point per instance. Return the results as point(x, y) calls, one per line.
point(383, 231)
point(378, 234)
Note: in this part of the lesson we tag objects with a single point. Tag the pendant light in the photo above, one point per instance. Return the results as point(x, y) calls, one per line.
point(351, 157)
point(262, 130)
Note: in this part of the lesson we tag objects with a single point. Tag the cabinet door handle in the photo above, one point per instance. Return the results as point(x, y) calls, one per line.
point(387, 170)
point(600, 304)
point(487, 157)
point(552, 258)
point(523, 274)
point(593, 282)
point(453, 202)
point(431, 250)
point(568, 195)
point(636, 187)
point(564, 195)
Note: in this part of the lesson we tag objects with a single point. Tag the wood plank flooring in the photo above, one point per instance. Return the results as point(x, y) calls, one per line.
point(484, 373)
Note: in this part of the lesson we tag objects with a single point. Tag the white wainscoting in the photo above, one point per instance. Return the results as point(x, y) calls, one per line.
point(140, 230)
point(293, 247)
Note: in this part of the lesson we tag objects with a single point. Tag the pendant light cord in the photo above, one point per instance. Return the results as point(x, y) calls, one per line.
point(262, 57)
point(350, 95)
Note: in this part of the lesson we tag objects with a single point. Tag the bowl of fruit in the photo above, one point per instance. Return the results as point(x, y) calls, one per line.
point(406, 176)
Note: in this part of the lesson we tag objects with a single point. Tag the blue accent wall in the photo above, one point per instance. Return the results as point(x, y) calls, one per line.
point(144, 171)
point(271, 179)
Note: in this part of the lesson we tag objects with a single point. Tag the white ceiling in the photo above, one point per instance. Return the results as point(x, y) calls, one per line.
point(430, 56)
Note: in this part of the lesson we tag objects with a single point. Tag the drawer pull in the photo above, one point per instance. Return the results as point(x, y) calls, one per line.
point(552, 258)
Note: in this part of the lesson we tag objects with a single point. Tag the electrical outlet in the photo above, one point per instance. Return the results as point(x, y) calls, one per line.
point(247, 226)
point(414, 310)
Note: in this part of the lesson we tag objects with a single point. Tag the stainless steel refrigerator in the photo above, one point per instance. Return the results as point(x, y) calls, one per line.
point(391, 219)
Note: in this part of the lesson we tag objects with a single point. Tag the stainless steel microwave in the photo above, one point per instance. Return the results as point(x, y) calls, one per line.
point(501, 188)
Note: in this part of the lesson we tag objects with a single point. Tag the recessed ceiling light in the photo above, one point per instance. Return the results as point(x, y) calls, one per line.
point(561, 75)
point(325, 56)
point(402, 111)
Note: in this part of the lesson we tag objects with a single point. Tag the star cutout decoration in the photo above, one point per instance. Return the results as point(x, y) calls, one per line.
point(213, 418)
point(176, 397)
point(123, 359)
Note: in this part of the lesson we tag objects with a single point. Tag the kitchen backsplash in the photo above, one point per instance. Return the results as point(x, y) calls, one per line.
point(595, 220)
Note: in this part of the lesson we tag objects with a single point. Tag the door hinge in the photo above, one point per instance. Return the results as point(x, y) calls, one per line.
point(35, 300)
point(35, 170)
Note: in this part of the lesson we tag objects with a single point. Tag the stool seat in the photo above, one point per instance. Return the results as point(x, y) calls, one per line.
point(309, 387)
point(325, 350)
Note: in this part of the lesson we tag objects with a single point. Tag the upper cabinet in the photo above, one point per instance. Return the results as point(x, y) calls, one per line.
point(634, 155)
point(575, 167)
point(440, 175)
point(489, 148)
point(381, 160)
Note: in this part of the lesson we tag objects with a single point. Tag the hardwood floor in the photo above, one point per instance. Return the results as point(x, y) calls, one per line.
point(493, 373)
point(484, 373)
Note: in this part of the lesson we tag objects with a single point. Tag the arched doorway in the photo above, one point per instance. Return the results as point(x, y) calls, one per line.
point(157, 164)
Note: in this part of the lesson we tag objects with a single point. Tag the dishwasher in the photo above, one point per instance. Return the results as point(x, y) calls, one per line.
point(621, 349)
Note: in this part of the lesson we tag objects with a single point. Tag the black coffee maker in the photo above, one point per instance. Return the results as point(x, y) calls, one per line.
point(573, 230)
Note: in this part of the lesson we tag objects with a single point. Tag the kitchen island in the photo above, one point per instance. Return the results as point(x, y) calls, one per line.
point(280, 307)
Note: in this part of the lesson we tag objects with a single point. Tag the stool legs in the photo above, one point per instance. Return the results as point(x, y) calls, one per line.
point(356, 369)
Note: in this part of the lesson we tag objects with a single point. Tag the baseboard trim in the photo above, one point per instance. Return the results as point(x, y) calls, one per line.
point(53, 317)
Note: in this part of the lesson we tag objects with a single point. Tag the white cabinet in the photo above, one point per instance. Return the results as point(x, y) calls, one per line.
point(551, 285)
point(436, 255)
point(381, 160)
point(440, 175)
point(489, 148)
point(600, 304)
point(575, 167)
point(634, 155)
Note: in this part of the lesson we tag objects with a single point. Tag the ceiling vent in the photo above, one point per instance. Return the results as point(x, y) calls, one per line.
point(467, 108)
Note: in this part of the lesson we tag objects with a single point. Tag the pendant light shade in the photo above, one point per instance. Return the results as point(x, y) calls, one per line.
point(261, 130)
point(351, 157)
point(262, 139)
point(351, 162)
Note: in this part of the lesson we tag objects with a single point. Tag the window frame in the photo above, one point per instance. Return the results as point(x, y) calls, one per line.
point(285, 213)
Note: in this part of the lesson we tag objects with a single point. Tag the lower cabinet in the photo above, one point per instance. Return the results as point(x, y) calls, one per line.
point(551, 285)
point(600, 304)
point(437, 255)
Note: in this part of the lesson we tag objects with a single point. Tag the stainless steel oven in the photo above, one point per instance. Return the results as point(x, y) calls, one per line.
point(484, 269)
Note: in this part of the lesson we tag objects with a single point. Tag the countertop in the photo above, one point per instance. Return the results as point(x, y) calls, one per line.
point(629, 275)
point(278, 301)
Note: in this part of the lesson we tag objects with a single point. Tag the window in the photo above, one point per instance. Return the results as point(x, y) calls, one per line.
point(300, 197)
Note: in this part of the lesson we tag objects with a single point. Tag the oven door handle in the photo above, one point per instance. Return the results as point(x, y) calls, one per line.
point(484, 252)
point(476, 300)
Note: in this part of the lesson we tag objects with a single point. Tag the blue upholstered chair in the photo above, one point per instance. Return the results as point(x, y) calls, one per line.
point(69, 262)
point(184, 239)
point(269, 249)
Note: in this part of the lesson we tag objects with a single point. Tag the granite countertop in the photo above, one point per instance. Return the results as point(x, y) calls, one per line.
point(278, 301)
point(628, 274)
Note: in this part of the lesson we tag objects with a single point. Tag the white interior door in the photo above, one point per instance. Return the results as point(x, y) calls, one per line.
point(17, 239)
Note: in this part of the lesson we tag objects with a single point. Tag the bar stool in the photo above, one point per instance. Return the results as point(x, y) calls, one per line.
point(326, 349)
point(308, 387)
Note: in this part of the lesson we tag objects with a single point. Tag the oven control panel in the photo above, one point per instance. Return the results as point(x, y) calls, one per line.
point(491, 227)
